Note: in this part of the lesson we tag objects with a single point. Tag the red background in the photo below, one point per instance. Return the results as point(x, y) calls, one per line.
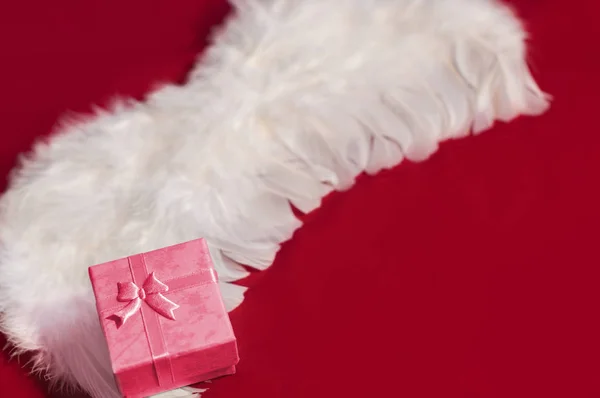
point(474, 274)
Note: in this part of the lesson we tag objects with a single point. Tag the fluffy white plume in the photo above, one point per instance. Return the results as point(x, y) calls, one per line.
point(294, 99)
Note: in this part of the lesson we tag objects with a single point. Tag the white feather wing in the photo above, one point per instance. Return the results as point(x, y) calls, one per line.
point(294, 99)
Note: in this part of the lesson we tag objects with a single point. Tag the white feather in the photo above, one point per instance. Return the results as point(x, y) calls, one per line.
point(186, 392)
point(294, 99)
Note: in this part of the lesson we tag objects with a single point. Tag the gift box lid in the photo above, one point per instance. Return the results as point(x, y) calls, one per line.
point(162, 312)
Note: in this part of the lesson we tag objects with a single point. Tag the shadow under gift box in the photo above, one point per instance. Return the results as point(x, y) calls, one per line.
point(164, 319)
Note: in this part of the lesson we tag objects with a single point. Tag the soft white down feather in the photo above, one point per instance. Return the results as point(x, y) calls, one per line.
point(293, 100)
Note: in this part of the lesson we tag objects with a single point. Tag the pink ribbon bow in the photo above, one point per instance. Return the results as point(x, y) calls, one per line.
point(150, 293)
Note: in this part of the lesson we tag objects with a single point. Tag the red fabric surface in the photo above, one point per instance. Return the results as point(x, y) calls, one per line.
point(474, 274)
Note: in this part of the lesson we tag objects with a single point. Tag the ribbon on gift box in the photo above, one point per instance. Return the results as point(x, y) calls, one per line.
point(151, 304)
point(150, 293)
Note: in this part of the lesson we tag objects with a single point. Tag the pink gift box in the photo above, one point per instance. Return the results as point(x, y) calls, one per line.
point(164, 319)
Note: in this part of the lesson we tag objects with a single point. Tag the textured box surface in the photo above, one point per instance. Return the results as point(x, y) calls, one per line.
point(164, 319)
